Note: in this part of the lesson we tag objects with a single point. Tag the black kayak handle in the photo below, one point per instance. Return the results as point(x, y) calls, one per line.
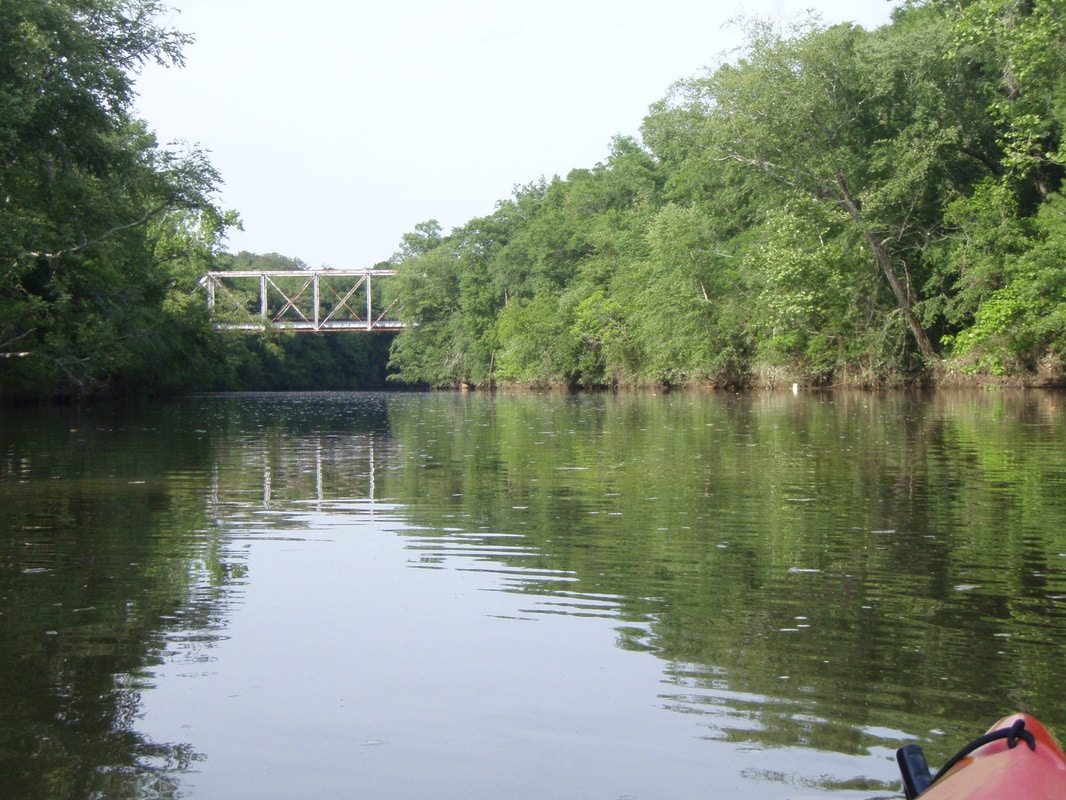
point(914, 769)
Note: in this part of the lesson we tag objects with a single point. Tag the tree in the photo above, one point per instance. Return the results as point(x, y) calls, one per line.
point(809, 112)
point(536, 345)
point(1008, 236)
point(89, 195)
point(1023, 45)
point(681, 300)
point(427, 285)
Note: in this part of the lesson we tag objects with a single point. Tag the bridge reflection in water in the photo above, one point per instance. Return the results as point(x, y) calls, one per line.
point(297, 300)
point(311, 472)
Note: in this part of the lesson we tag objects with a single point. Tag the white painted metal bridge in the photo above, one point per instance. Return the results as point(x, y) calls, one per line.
point(297, 300)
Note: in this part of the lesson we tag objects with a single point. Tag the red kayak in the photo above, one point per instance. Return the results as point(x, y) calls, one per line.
point(1018, 759)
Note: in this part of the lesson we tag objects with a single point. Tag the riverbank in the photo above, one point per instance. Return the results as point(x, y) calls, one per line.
point(944, 374)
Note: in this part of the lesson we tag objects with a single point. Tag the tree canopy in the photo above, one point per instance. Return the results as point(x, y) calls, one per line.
point(101, 228)
point(831, 205)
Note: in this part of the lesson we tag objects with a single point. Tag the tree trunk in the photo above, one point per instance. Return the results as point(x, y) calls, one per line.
point(902, 293)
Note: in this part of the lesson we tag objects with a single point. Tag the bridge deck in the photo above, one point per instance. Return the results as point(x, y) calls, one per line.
point(305, 327)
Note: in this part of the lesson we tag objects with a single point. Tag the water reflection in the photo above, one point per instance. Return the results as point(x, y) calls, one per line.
point(885, 562)
point(678, 590)
point(92, 575)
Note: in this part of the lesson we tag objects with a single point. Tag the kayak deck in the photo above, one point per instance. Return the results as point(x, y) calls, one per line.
point(1017, 758)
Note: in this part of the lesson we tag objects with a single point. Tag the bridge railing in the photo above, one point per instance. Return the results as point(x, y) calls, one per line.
point(297, 300)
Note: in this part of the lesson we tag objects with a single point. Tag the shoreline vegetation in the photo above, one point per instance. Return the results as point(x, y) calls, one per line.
point(828, 206)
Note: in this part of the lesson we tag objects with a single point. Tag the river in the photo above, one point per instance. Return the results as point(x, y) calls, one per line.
point(451, 595)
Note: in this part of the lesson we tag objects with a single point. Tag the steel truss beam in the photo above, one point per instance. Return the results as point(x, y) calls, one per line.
point(302, 310)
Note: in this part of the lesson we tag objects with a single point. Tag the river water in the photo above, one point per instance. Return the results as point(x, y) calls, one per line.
point(524, 596)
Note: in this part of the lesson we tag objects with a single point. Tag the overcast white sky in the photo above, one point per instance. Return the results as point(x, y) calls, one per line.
point(338, 125)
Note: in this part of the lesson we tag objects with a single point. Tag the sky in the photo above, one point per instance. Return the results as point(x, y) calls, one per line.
point(339, 125)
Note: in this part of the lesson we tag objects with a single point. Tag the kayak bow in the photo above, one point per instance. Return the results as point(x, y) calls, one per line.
point(1017, 758)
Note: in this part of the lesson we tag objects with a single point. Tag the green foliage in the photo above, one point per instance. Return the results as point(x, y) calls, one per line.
point(807, 301)
point(538, 343)
point(1025, 43)
point(1019, 325)
point(602, 342)
point(833, 205)
point(427, 286)
point(101, 230)
point(681, 299)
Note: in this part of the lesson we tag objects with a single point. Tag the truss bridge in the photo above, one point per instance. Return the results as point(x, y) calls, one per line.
point(298, 300)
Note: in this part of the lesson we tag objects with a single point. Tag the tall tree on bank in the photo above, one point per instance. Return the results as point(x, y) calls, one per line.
point(97, 222)
point(815, 112)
